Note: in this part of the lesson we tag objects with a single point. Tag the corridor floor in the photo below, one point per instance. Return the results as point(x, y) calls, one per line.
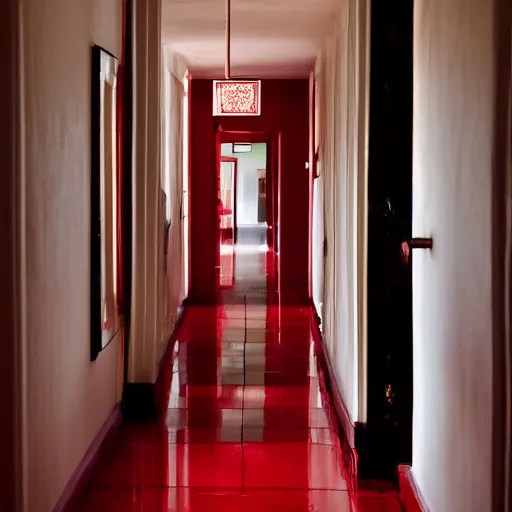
point(247, 425)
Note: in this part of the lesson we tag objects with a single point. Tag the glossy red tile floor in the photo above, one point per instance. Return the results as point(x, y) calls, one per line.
point(246, 426)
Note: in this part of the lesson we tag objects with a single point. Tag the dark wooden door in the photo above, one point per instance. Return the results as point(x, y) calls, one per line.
point(386, 439)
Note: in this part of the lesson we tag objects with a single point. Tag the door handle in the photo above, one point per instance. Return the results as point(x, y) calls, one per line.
point(421, 243)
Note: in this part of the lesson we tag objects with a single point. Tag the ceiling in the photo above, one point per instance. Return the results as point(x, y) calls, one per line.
point(269, 38)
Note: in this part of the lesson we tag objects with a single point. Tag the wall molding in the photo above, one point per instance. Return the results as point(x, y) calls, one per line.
point(147, 323)
point(346, 431)
point(77, 484)
point(162, 384)
point(410, 494)
point(338, 402)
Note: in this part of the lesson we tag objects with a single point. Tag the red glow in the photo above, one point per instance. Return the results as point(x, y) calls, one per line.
point(284, 125)
point(247, 423)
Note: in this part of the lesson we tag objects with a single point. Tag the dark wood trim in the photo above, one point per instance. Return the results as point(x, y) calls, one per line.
point(11, 181)
point(95, 205)
point(77, 484)
point(126, 178)
point(410, 494)
point(501, 457)
point(96, 320)
point(386, 439)
point(139, 402)
point(144, 401)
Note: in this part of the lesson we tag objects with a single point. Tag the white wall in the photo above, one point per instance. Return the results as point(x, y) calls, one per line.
point(452, 202)
point(247, 181)
point(172, 183)
point(339, 277)
point(148, 321)
point(66, 399)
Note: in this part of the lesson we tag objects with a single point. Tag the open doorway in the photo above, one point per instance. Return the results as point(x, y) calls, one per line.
point(243, 226)
point(228, 189)
point(243, 185)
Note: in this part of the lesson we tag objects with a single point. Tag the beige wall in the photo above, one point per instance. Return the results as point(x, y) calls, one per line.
point(453, 149)
point(67, 398)
point(340, 275)
point(173, 280)
point(147, 329)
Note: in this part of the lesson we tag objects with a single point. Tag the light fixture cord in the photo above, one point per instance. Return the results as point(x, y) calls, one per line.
point(227, 68)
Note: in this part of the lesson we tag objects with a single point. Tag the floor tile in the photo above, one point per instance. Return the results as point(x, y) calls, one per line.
point(292, 466)
point(247, 426)
point(261, 397)
point(179, 419)
point(112, 500)
point(379, 504)
point(207, 500)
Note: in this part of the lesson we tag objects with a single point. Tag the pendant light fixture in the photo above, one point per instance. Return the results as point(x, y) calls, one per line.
point(227, 37)
point(234, 97)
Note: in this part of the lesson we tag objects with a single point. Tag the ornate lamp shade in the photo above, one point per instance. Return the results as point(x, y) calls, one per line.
point(236, 98)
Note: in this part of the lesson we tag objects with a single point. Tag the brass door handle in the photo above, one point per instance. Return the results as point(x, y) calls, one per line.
point(421, 243)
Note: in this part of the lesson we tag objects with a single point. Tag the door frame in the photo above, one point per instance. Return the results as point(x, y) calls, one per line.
point(233, 160)
point(273, 155)
point(125, 143)
point(273, 192)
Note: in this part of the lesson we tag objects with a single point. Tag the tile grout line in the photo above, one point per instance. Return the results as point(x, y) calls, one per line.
point(243, 399)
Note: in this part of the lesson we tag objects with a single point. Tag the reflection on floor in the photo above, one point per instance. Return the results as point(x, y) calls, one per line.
point(243, 274)
point(247, 424)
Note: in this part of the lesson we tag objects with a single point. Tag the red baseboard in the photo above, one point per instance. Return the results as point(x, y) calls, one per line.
point(327, 375)
point(338, 402)
point(70, 498)
point(162, 384)
point(410, 494)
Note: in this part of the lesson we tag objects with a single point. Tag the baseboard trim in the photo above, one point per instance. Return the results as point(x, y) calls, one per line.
point(144, 401)
point(339, 403)
point(77, 484)
point(162, 384)
point(346, 426)
point(410, 494)
point(139, 401)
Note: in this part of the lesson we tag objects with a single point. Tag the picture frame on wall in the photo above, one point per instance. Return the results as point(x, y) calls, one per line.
point(105, 321)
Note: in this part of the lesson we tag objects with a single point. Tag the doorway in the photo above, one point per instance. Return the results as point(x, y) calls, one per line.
point(242, 221)
point(244, 166)
point(247, 172)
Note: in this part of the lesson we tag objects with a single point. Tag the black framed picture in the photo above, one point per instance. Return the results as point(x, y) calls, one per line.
point(104, 315)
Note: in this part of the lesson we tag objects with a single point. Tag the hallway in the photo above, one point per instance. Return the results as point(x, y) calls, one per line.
point(247, 422)
point(353, 351)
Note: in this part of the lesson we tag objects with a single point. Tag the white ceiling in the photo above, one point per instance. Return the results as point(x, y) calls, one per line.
point(269, 38)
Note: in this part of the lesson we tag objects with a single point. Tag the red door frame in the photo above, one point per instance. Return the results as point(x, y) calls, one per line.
point(273, 192)
point(271, 139)
point(312, 176)
point(234, 160)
